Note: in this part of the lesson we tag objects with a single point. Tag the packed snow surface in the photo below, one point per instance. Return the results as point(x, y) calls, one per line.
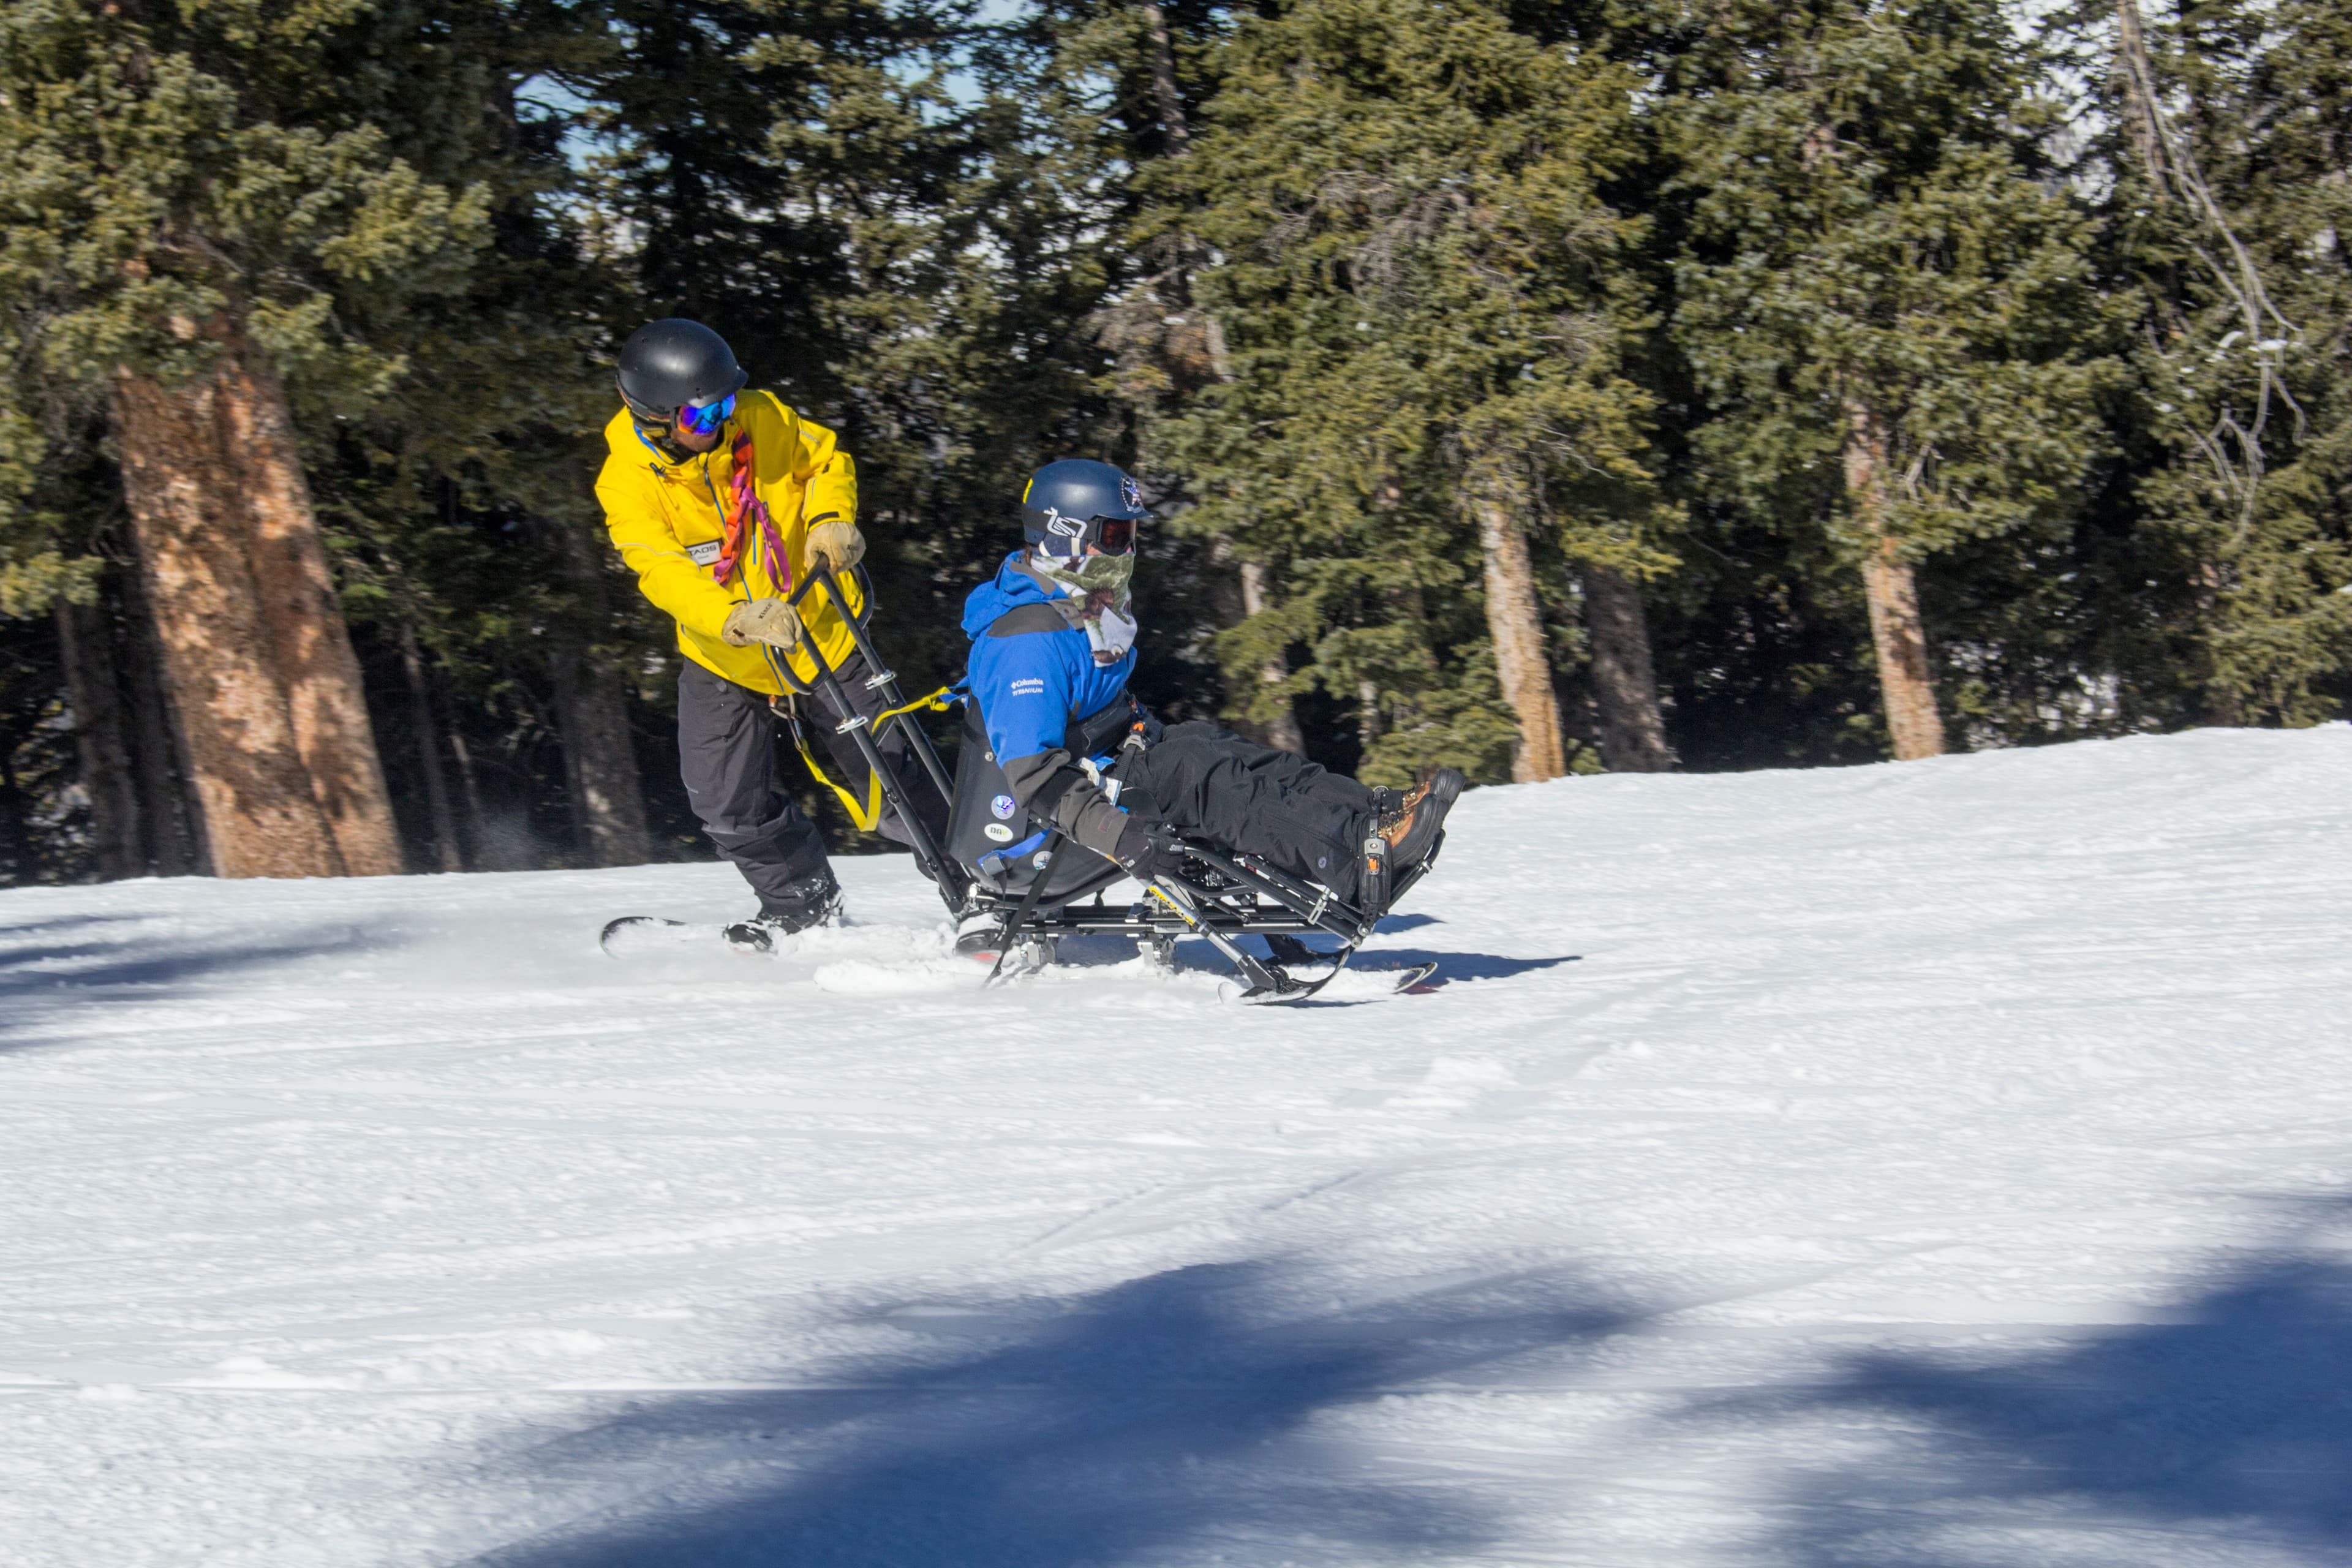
point(1935, 1164)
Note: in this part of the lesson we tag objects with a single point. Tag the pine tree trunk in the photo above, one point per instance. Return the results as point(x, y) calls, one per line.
point(1893, 591)
point(1624, 684)
point(1166, 100)
point(169, 815)
point(477, 820)
point(592, 717)
point(261, 817)
point(1282, 730)
point(23, 860)
point(2223, 705)
point(102, 741)
point(2140, 111)
point(326, 702)
point(445, 853)
point(607, 793)
point(1522, 652)
point(1236, 592)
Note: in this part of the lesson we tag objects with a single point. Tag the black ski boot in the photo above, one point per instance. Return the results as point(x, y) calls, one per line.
point(810, 901)
point(980, 935)
point(1410, 830)
point(1402, 839)
point(979, 930)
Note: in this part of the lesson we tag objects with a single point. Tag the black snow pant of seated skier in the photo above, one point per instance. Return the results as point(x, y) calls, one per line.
point(1209, 784)
point(726, 755)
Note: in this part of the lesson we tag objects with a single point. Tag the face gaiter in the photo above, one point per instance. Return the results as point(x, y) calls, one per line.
point(1101, 584)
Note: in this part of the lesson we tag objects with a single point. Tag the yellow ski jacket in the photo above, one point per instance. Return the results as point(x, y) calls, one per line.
point(666, 521)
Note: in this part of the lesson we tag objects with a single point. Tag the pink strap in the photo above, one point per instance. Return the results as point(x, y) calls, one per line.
point(743, 486)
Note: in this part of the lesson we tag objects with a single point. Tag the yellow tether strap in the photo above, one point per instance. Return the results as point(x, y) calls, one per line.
point(868, 817)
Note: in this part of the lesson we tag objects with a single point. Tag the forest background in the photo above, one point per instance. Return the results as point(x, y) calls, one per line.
point(1536, 387)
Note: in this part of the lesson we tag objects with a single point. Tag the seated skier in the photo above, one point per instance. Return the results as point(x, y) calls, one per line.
point(1053, 644)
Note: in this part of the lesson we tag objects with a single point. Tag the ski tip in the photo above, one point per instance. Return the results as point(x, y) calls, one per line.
point(618, 929)
point(622, 936)
point(1416, 981)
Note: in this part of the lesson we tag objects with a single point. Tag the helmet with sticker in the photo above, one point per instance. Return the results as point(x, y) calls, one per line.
point(1076, 506)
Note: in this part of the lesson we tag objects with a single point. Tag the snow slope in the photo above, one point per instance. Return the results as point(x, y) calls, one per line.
point(1945, 1163)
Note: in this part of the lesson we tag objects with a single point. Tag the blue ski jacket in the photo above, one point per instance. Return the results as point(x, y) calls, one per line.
point(1030, 686)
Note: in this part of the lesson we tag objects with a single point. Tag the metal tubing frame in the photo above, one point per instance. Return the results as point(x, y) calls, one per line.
point(1028, 906)
point(1194, 910)
point(1191, 904)
point(1313, 914)
point(945, 873)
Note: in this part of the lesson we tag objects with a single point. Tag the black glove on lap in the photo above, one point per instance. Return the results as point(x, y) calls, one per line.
point(1148, 852)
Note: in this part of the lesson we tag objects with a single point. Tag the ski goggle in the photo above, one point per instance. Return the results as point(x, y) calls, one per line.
point(1101, 536)
point(704, 420)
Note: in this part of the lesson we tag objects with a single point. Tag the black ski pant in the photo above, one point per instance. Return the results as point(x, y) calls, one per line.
point(1208, 783)
point(727, 756)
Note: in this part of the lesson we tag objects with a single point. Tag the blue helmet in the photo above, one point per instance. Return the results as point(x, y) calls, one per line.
point(1076, 504)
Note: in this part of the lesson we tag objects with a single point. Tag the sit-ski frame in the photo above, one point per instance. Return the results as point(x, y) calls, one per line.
point(1217, 896)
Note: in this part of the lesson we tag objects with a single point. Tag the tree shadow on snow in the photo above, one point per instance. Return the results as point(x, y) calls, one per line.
point(1174, 1409)
point(2228, 1425)
point(57, 925)
point(47, 970)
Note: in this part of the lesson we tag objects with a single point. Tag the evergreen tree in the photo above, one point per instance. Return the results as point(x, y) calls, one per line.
point(1490, 359)
point(1888, 308)
point(498, 625)
point(183, 192)
point(2228, 144)
point(1425, 302)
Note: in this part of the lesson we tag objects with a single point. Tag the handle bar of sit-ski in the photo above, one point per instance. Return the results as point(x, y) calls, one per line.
point(884, 680)
point(856, 623)
point(933, 855)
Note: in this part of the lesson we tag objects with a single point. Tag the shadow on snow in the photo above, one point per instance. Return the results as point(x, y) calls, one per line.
point(2228, 1425)
point(1178, 1408)
point(1189, 1413)
point(67, 961)
point(1196, 953)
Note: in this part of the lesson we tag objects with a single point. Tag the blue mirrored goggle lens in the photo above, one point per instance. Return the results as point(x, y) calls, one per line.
point(707, 418)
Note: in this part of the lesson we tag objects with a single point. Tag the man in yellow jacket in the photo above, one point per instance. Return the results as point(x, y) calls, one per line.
point(720, 499)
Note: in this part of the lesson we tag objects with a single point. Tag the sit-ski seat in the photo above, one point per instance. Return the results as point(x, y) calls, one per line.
point(1001, 845)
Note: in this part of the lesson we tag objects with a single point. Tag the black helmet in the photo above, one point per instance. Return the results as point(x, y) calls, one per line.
point(667, 364)
point(1068, 504)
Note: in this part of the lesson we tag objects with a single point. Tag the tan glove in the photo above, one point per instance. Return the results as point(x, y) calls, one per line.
point(837, 544)
point(770, 621)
